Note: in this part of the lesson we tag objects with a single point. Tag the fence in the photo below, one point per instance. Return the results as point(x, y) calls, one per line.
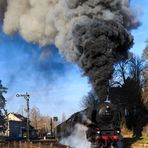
point(21, 144)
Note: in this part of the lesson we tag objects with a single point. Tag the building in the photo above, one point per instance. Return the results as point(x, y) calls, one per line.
point(17, 126)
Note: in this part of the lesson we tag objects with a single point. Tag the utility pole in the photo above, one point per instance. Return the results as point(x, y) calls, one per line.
point(53, 124)
point(51, 127)
point(26, 97)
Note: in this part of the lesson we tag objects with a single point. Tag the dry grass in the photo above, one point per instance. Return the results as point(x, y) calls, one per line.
point(126, 133)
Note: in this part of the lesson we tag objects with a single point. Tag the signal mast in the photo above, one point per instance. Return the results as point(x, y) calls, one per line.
point(26, 97)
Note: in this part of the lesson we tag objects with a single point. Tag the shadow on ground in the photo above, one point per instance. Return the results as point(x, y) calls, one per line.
point(128, 142)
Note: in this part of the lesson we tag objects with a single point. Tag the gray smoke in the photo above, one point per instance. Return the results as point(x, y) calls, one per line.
point(3, 5)
point(90, 33)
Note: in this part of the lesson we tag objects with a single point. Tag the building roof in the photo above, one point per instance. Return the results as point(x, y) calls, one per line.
point(16, 117)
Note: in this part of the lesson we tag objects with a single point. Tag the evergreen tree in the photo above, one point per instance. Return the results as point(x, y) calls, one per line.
point(3, 111)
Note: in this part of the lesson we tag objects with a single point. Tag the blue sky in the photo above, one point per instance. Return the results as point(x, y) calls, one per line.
point(141, 34)
point(55, 85)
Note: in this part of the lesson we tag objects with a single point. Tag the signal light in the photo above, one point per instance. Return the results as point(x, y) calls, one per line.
point(107, 107)
point(118, 132)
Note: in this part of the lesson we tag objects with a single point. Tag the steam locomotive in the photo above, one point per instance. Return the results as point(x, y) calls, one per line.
point(102, 122)
point(104, 131)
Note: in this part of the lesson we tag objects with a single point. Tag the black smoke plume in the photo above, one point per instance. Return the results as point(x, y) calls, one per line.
point(101, 43)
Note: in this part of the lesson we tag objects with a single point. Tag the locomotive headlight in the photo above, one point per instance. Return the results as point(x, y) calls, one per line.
point(107, 107)
point(98, 132)
point(118, 132)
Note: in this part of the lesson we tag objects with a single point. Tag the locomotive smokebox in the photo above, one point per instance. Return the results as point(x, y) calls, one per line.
point(105, 113)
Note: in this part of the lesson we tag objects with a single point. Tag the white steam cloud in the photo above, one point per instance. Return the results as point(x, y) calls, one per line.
point(78, 138)
point(52, 21)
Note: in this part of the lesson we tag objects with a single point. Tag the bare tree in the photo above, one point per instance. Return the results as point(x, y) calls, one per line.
point(136, 68)
point(120, 73)
point(145, 75)
point(91, 100)
point(35, 116)
point(63, 117)
point(44, 123)
point(145, 52)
